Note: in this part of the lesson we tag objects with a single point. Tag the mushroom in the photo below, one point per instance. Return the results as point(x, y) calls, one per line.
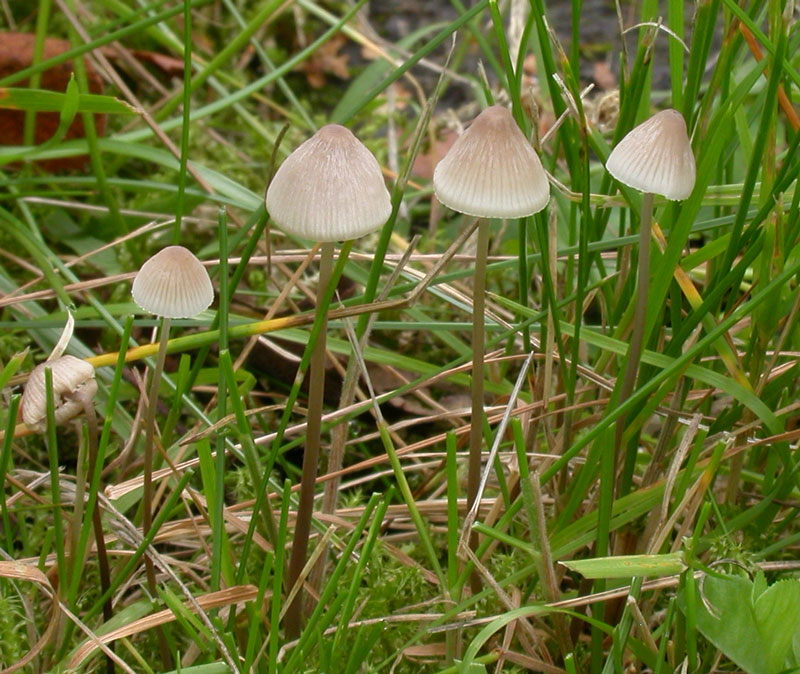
point(329, 189)
point(171, 284)
point(74, 388)
point(491, 171)
point(654, 158)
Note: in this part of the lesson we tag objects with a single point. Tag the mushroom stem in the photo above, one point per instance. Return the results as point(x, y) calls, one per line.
point(478, 354)
point(97, 520)
point(149, 443)
point(308, 479)
point(639, 319)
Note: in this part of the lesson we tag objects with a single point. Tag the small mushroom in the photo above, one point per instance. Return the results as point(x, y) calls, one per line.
point(654, 158)
point(171, 284)
point(73, 387)
point(329, 189)
point(491, 171)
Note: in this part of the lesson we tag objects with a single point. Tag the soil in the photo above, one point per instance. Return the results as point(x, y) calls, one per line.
point(599, 34)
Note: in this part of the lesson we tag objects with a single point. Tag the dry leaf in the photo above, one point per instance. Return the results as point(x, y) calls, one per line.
point(426, 160)
point(21, 571)
point(16, 53)
point(426, 651)
point(603, 76)
point(529, 65)
point(169, 64)
point(326, 61)
point(226, 597)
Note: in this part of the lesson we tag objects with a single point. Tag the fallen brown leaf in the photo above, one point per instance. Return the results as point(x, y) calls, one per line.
point(16, 53)
point(226, 597)
point(426, 160)
point(602, 75)
point(326, 61)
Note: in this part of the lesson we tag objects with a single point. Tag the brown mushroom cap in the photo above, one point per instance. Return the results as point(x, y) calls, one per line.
point(174, 284)
point(73, 382)
point(491, 171)
point(329, 189)
point(656, 157)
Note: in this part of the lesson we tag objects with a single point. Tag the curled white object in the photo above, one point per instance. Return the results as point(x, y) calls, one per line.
point(73, 386)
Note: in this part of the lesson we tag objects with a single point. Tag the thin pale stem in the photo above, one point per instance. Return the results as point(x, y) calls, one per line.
point(149, 441)
point(308, 480)
point(478, 351)
point(639, 317)
point(97, 522)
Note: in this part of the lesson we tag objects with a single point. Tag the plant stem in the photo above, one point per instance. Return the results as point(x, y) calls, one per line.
point(478, 351)
point(147, 491)
point(308, 480)
point(149, 441)
point(97, 522)
point(639, 320)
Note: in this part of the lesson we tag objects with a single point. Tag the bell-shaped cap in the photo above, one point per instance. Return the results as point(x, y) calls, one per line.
point(174, 284)
point(329, 189)
point(73, 383)
point(656, 157)
point(491, 171)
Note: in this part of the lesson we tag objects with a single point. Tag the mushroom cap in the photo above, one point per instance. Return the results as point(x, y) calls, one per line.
point(73, 381)
point(491, 171)
point(329, 189)
point(656, 157)
point(173, 283)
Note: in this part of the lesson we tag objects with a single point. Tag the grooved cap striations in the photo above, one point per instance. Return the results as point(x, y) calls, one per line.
point(73, 382)
point(173, 284)
point(656, 157)
point(491, 171)
point(329, 189)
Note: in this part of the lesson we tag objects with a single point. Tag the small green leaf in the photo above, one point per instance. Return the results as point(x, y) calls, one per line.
point(732, 628)
point(625, 566)
point(11, 368)
point(760, 635)
point(72, 99)
point(42, 100)
point(777, 613)
point(759, 586)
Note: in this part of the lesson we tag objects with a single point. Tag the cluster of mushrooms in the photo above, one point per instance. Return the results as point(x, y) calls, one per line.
point(330, 189)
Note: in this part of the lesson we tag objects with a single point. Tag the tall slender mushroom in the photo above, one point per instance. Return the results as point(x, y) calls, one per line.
point(171, 284)
point(329, 189)
point(654, 158)
point(491, 171)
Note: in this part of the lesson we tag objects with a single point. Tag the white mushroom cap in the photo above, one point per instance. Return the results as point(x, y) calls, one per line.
point(656, 157)
point(73, 382)
point(174, 284)
point(329, 189)
point(491, 171)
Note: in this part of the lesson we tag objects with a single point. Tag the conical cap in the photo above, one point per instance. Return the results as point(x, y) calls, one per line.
point(329, 189)
point(656, 157)
point(174, 284)
point(491, 171)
